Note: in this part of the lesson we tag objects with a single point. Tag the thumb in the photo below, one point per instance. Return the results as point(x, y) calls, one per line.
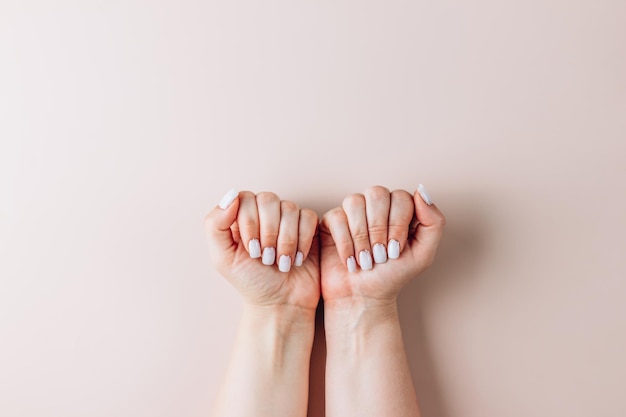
point(429, 229)
point(217, 225)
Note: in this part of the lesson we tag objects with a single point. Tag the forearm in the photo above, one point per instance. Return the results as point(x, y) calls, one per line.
point(268, 373)
point(367, 373)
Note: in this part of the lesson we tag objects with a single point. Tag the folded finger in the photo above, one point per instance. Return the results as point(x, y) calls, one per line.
point(354, 207)
point(269, 223)
point(287, 241)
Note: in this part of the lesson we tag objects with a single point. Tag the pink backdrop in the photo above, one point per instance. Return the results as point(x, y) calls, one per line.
point(122, 123)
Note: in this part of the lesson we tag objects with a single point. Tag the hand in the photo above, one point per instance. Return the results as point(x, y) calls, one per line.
point(368, 252)
point(246, 227)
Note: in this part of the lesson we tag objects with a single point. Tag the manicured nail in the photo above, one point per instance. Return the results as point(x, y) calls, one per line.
point(299, 259)
point(394, 249)
point(254, 248)
point(365, 260)
point(424, 194)
point(228, 198)
point(284, 263)
point(351, 264)
point(380, 253)
point(269, 256)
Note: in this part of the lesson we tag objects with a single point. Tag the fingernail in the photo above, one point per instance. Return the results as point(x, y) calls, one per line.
point(299, 259)
point(394, 249)
point(284, 263)
point(351, 263)
point(269, 256)
point(254, 248)
point(228, 198)
point(365, 260)
point(380, 253)
point(424, 194)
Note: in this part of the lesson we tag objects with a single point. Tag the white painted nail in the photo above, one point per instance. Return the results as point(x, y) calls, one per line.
point(284, 263)
point(228, 198)
point(394, 249)
point(365, 260)
point(269, 256)
point(299, 259)
point(380, 253)
point(351, 264)
point(424, 194)
point(254, 248)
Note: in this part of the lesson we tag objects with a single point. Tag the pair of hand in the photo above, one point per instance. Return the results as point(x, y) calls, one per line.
point(276, 253)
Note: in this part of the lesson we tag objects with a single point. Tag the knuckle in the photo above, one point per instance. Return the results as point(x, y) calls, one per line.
point(377, 229)
point(402, 195)
point(246, 194)
point(288, 241)
point(441, 221)
point(269, 236)
point(210, 220)
point(334, 216)
point(266, 197)
point(402, 198)
point(398, 225)
point(361, 236)
point(247, 224)
point(309, 215)
point(353, 201)
point(288, 206)
point(377, 192)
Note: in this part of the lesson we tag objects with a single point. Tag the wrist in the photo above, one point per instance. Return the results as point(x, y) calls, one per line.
point(286, 319)
point(358, 315)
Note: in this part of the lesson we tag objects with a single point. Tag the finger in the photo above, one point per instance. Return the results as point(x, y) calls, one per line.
point(335, 222)
point(248, 223)
point(400, 216)
point(377, 202)
point(430, 226)
point(269, 223)
point(287, 243)
point(217, 224)
point(354, 207)
point(307, 229)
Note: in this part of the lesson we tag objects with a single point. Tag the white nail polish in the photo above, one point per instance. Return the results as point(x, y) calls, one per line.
point(394, 249)
point(284, 263)
point(299, 259)
point(254, 248)
point(380, 253)
point(365, 260)
point(269, 256)
point(351, 264)
point(228, 199)
point(424, 194)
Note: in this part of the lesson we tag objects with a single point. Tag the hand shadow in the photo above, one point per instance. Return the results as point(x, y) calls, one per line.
point(459, 253)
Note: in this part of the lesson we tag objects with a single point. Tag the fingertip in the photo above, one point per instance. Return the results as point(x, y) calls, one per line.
point(421, 190)
point(221, 219)
point(228, 198)
point(299, 259)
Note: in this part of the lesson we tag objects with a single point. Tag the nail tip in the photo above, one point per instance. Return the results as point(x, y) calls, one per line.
point(424, 194)
point(269, 256)
point(228, 198)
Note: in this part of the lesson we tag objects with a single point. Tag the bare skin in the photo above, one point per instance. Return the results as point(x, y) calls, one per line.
point(268, 373)
point(367, 251)
point(366, 369)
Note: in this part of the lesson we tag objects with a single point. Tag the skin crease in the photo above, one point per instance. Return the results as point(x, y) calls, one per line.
point(299, 287)
point(367, 373)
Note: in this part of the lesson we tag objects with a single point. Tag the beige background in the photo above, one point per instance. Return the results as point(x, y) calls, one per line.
point(123, 122)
